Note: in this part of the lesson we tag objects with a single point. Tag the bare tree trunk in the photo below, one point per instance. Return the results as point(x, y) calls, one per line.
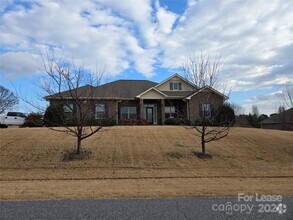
point(203, 147)
point(78, 145)
point(79, 139)
point(203, 140)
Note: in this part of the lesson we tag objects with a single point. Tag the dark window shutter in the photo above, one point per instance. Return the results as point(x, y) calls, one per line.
point(106, 111)
point(212, 110)
point(180, 86)
point(200, 110)
point(171, 85)
point(94, 111)
point(74, 110)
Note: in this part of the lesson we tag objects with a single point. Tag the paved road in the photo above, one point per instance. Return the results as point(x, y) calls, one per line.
point(195, 208)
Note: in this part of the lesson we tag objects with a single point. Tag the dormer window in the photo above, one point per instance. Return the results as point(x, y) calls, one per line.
point(175, 86)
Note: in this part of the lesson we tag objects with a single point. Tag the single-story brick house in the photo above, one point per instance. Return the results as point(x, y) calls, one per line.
point(281, 121)
point(142, 99)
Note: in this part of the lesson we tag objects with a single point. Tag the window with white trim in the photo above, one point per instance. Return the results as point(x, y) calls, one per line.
point(206, 111)
point(128, 112)
point(175, 86)
point(169, 111)
point(100, 111)
point(68, 108)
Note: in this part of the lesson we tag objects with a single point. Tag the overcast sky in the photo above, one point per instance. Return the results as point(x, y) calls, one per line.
point(145, 39)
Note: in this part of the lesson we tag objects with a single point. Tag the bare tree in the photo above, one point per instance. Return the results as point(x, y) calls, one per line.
point(214, 124)
point(282, 116)
point(72, 90)
point(286, 96)
point(201, 70)
point(281, 109)
point(237, 108)
point(7, 99)
point(215, 117)
point(255, 110)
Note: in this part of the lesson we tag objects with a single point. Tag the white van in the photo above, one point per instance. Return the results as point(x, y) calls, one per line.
point(12, 118)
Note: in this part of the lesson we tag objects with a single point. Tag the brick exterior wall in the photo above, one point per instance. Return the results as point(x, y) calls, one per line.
point(203, 98)
point(113, 106)
point(89, 107)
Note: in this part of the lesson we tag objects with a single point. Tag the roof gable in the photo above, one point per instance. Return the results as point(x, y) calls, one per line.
point(186, 85)
point(208, 88)
point(152, 93)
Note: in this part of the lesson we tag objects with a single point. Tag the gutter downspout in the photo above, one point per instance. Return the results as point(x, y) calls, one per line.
point(117, 116)
point(188, 110)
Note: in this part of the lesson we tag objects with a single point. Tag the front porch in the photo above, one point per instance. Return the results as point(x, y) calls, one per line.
point(156, 111)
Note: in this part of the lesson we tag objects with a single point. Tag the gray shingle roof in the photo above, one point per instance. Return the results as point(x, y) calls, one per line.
point(119, 89)
point(286, 116)
point(124, 88)
point(82, 91)
point(127, 89)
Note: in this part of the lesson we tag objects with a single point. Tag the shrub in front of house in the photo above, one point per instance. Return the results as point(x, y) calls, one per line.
point(127, 121)
point(142, 122)
point(206, 121)
point(106, 122)
point(53, 115)
point(34, 120)
point(133, 122)
point(170, 121)
point(183, 121)
point(177, 121)
point(225, 115)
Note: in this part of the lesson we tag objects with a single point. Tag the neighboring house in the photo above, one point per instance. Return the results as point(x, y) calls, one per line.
point(281, 121)
point(175, 97)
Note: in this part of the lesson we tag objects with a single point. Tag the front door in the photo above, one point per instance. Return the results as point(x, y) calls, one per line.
point(150, 114)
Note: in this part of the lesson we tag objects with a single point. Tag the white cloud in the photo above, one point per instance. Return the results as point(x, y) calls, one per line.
point(16, 64)
point(140, 13)
point(254, 37)
point(267, 103)
point(166, 19)
point(86, 31)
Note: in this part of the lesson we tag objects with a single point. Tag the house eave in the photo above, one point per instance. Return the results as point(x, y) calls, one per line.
point(88, 98)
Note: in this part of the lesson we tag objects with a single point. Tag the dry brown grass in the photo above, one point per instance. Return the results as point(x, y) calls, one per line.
point(138, 162)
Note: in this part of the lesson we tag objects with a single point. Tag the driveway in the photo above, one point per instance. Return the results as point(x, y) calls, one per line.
point(191, 208)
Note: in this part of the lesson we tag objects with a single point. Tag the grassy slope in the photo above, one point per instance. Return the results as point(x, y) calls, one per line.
point(246, 158)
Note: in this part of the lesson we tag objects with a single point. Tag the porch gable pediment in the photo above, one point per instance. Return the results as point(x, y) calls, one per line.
point(208, 89)
point(152, 93)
